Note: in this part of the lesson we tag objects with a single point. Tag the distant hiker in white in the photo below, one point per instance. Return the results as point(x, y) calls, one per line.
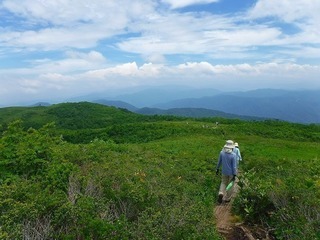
point(227, 159)
point(236, 151)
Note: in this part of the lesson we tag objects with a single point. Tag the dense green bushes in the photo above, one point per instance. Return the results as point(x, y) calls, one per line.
point(26, 152)
point(103, 190)
point(124, 176)
point(282, 192)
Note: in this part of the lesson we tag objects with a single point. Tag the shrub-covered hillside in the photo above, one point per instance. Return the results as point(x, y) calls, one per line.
point(103, 173)
point(68, 115)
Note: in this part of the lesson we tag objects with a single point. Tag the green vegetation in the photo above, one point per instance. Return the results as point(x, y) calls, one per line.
point(104, 173)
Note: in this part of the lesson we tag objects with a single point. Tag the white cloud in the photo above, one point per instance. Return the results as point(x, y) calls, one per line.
point(126, 70)
point(80, 45)
point(50, 25)
point(84, 36)
point(184, 3)
point(197, 73)
point(74, 12)
point(304, 15)
point(38, 84)
point(190, 34)
point(56, 78)
point(287, 10)
point(93, 56)
point(157, 33)
point(72, 63)
point(75, 62)
point(228, 36)
point(195, 68)
point(29, 86)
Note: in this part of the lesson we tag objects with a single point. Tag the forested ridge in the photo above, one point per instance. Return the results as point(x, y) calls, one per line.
point(87, 171)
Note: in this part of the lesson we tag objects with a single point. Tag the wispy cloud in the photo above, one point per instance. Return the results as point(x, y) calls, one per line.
point(303, 15)
point(67, 46)
point(184, 3)
point(52, 25)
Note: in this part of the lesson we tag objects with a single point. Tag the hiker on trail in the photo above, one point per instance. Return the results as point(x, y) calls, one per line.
point(227, 159)
point(236, 151)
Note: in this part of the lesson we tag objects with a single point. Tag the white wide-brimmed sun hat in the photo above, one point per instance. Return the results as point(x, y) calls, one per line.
point(229, 144)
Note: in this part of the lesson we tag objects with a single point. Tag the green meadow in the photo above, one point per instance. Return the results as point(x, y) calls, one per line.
point(87, 171)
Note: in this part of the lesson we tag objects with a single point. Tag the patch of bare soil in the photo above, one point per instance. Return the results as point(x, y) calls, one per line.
point(242, 232)
point(230, 226)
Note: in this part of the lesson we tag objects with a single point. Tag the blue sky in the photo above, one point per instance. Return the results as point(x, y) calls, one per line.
point(63, 48)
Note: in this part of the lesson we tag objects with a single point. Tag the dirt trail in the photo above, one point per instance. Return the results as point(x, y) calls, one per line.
point(225, 221)
point(231, 228)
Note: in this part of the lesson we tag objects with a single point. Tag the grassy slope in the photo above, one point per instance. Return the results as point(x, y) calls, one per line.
point(172, 163)
point(68, 115)
point(277, 168)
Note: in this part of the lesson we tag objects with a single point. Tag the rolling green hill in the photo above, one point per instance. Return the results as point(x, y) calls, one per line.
point(115, 174)
point(69, 115)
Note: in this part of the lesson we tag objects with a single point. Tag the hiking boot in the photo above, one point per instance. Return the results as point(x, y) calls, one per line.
point(220, 197)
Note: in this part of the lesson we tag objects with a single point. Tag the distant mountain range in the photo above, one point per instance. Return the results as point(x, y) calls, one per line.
point(148, 97)
point(292, 106)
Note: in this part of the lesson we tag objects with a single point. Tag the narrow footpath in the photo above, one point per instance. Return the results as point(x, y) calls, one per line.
point(231, 227)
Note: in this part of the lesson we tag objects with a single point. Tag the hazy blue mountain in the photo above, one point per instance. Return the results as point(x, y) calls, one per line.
point(151, 96)
point(110, 94)
point(193, 112)
point(147, 96)
point(293, 106)
point(118, 104)
point(260, 93)
point(41, 104)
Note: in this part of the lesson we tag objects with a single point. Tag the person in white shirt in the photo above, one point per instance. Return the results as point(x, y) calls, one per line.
point(236, 151)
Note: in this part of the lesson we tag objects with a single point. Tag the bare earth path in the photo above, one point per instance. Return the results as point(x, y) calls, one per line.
point(226, 222)
point(231, 228)
point(224, 219)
